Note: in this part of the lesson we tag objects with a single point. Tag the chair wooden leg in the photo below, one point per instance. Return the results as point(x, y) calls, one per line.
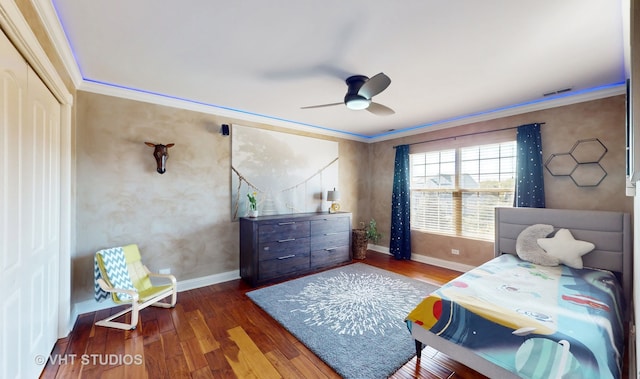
point(161, 304)
point(119, 325)
point(135, 309)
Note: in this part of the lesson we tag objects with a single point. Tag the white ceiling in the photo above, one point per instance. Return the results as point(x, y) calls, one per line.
point(450, 62)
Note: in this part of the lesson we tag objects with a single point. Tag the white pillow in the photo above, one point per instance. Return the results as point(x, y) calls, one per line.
point(528, 249)
point(565, 248)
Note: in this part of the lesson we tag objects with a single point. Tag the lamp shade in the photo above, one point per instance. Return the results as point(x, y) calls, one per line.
point(333, 195)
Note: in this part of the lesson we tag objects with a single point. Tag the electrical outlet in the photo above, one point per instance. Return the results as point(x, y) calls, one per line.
point(455, 251)
point(165, 271)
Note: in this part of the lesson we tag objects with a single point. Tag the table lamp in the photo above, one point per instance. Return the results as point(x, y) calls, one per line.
point(333, 197)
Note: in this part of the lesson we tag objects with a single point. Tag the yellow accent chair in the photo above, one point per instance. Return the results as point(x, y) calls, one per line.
point(130, 284)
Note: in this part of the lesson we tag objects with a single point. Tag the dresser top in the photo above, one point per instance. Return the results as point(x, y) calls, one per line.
point(309, 215)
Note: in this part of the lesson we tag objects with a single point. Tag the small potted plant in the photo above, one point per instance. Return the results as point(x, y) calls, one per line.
point(361, 237)
point(253, 205)
point(372, 232)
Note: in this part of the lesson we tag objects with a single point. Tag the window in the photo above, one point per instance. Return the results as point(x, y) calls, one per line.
point(455, 191)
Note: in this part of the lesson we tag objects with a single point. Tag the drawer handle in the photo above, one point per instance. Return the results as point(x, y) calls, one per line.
point(331, 234)
point(286, 257)
point(330, 248)
point(287, 223)
point(287, 240)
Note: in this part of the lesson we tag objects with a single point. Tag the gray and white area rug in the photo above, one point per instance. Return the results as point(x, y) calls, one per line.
point(352, 317)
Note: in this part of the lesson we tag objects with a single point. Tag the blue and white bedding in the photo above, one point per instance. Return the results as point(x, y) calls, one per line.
point(535, 321)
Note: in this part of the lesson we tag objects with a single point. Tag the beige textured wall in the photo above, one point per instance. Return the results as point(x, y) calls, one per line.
point(603, 119)
point(181, 219)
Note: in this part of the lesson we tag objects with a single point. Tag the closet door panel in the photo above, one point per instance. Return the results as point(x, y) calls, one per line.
point(29, 216)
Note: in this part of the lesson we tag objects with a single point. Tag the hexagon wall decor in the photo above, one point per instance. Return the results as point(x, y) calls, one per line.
point(581, 163)
point(588, 151)
point(561, 164)
point(588, 175)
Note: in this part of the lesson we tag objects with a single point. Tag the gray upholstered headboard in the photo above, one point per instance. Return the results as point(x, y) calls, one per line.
point(609, 231)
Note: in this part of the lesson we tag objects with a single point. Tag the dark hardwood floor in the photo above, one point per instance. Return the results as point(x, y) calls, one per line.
point(217, 332)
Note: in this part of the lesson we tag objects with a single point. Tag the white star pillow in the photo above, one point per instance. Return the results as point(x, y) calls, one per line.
point(565, 248)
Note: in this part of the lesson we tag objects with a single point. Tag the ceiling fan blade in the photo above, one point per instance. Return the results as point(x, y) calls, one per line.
point(380, 110)
point(374, 85)
point(322, 105)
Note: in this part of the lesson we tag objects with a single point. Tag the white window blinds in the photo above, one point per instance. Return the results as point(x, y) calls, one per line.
point(455, 191)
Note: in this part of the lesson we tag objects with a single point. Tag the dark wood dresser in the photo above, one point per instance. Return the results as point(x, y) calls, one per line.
point(278, 247)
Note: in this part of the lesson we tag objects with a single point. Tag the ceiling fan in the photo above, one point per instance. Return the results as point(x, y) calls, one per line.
point(360, 90)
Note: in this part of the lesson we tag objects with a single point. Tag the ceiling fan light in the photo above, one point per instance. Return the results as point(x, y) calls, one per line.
point(358, 103)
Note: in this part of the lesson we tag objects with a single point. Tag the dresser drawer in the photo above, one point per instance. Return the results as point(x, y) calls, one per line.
point(329, 240)
point(330, 225)
point(286, 265)
point(283, 230)
point(281, 248)
point(330, 257)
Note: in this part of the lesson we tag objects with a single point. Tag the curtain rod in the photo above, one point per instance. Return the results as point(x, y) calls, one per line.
point(465, 135)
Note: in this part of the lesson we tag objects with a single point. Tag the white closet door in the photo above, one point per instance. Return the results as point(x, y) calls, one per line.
point(29, 216)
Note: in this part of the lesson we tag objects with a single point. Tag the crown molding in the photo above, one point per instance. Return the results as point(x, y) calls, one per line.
point(19, 32)
point(153, 98)
point(539, 105)
point(54, 30)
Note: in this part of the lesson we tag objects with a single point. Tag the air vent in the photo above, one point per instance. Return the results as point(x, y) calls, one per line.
point(557, 92)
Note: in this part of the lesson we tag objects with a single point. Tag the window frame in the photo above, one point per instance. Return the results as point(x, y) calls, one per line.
point(458, 191)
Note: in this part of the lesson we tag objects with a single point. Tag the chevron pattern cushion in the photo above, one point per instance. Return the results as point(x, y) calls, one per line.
point(98, 293)
point(115, 271)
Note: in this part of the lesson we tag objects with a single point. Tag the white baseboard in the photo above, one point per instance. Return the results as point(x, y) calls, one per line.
point(87, 306)
point(428, 260)
point(441, 263)
point(204, 281)
point(91, 305)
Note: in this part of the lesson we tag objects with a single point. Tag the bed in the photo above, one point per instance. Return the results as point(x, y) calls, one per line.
point(501, 318)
